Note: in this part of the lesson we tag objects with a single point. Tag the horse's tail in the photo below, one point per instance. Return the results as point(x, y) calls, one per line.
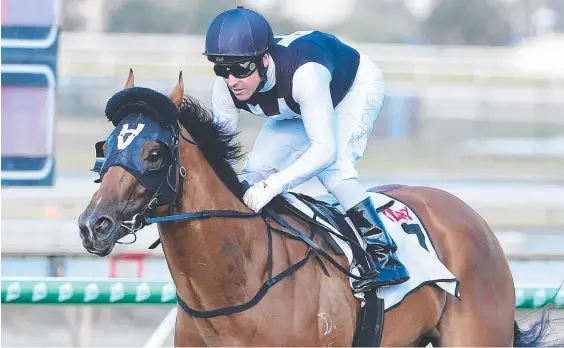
point(536, 334)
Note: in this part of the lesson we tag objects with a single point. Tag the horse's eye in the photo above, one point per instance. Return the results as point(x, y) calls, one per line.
point(154, 155)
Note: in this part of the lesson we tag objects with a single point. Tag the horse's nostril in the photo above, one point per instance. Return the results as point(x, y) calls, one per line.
point(103, 225)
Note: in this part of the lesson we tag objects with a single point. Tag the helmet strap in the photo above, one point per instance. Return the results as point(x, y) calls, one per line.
point(262, 73)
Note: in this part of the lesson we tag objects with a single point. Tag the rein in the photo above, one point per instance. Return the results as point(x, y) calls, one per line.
point(141, 220)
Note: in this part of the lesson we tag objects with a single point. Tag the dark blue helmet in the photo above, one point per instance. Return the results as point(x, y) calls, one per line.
point(238, 33)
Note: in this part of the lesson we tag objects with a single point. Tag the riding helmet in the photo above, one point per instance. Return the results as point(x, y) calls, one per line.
point(238, 34)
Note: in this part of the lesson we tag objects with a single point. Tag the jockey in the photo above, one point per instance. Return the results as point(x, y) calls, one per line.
point(320, 98)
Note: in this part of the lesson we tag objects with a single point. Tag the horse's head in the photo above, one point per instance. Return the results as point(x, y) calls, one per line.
point(138, 165)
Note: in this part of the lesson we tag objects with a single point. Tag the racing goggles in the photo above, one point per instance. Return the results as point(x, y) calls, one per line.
point(239, 70)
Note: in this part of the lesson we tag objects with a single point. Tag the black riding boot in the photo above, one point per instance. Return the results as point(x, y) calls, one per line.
point(380, 245)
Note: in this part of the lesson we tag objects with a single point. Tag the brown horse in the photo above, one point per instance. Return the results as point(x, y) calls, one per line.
point(183, 164)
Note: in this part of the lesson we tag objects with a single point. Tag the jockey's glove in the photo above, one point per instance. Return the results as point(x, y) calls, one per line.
point(258, 195)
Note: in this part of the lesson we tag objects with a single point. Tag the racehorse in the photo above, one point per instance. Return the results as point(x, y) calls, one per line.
point(243, 278)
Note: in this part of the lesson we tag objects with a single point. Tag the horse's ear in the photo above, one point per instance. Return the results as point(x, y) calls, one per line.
point(178, 92)
point(130, 80)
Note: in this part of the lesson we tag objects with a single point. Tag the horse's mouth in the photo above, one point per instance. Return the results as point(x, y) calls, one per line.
point(105, 247)
point(101, 253)
point(99, 250)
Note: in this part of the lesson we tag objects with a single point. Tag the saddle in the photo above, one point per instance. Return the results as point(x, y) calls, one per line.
point(326, 208)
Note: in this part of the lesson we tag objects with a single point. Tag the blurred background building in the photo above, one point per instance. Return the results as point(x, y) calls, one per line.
point(474, 105)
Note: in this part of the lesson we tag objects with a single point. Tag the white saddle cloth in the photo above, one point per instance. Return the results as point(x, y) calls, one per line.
point(415, 250)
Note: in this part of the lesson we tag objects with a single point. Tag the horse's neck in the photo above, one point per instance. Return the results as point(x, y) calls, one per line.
point(213, 261)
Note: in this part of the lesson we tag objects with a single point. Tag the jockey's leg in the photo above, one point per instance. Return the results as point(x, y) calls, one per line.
point(356, 115)
point(278, 144)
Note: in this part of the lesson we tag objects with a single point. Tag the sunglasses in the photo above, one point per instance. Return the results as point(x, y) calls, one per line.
point(238, 70)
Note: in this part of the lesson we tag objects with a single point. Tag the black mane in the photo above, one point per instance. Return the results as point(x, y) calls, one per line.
point(218, 145)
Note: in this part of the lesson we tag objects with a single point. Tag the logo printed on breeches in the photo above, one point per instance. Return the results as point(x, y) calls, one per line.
point(124, 141)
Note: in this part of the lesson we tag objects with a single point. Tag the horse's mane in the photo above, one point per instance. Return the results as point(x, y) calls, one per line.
point(219, 146)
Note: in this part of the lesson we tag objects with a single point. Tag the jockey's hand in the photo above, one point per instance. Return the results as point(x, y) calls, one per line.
point(258, 195)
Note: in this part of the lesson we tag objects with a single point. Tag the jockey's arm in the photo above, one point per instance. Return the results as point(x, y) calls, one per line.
point(311, 91)
point(224, 110)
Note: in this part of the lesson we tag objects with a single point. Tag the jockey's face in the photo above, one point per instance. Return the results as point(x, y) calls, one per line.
point(243, 88)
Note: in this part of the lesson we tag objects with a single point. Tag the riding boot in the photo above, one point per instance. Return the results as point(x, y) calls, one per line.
point(387, 268)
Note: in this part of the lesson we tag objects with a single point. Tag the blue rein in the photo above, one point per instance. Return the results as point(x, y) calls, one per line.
point(204, 214)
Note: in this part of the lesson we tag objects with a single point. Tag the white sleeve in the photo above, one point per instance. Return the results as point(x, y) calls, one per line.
point(310, 89)
point(223, 108)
